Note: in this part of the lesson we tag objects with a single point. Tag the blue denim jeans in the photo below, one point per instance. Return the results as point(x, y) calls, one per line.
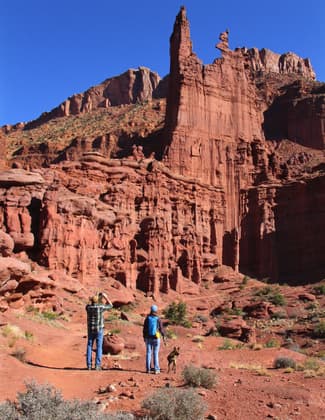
point(152, 350)
point(98, 337)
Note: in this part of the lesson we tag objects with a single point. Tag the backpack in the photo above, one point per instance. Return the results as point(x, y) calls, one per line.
point(153, 326)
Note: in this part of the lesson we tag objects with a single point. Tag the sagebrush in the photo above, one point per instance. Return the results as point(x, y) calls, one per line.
point(175, 404)
point(44, 402)
point(284, 362)
point(195, 376)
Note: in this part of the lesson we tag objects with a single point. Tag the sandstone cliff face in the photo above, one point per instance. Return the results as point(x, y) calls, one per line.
point(128, 88)
point(218, 119)
point(298, 113)
point(222, 194)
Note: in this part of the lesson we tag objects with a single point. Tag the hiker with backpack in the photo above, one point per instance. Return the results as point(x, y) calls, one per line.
point(152, 332)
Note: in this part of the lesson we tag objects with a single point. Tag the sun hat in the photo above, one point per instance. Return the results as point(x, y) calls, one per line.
point(154, 308)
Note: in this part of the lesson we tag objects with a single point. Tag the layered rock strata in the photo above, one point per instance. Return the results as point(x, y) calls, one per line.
point(222, 194)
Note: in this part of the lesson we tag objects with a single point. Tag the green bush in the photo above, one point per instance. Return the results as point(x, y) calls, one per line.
point(272, 343)
point(320, 290)
point(226, 345)
point(50, 315)
point(176, 313)
point(272, 295)
point(194, 376)
point(44, 402)
point(319, 330)
point(245, 280)
point(175, 404)
point(277, 299)
point(284, 362)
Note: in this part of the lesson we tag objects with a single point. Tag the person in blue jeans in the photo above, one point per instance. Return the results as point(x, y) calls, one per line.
point(152, 331)
point(95, 325)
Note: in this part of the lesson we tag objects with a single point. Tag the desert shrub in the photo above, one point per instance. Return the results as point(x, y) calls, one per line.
point(279, 315)
point(115, 331)
point(277, 299)
point(49, 315)
point(29, 335)
point(19, 354)
point(272, 343)
point(200, 318)
point(319, 330)
point(170, 334)
point(175, 404)
point(44, 402)
point(320, 290)
point(195, 376)
point(226, 345)
point(245, 280)
point(186, 324)
point(176, 313)
point(12, 331)
point(8, 411)
point(271, 294)
point(284, 362)
point(120, 416)
point(311, 364)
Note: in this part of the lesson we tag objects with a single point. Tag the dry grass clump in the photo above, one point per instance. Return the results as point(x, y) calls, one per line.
point(10, 330)
point(257, 369)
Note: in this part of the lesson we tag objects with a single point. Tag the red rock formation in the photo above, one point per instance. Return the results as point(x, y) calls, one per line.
point(298, 113)
point(130, 87)
point(221, 195)
point(215, 133)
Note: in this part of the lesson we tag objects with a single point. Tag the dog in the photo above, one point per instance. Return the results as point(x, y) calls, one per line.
point(172, 358)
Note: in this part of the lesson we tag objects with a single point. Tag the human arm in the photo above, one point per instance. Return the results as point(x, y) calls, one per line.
point(108, 301)
point(161, 328)
point(145, 328)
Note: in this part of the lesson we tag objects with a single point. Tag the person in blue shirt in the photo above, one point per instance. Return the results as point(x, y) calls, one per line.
point(152, 331)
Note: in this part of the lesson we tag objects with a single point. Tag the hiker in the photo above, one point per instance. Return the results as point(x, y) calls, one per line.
point(152, 331)
point(95, 323)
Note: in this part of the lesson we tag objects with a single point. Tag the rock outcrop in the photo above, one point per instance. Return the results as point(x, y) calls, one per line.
point(128, 88)
point(216, 189)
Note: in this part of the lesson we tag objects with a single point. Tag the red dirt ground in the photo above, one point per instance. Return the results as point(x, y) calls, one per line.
point(248, 386)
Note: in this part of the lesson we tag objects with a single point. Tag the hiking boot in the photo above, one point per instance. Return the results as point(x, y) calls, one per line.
point(157, 372)
point(98, 368)
point(88, 367)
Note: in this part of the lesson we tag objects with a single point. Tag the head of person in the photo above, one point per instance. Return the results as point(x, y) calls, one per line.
point(94, 299)
point(154, 310)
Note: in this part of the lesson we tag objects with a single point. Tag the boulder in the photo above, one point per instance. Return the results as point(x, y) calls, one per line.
point(260, 310)
point(112, 344)
point(6, 244)
point(11, 268)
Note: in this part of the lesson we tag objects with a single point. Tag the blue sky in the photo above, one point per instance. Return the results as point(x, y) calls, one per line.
point(53, 49)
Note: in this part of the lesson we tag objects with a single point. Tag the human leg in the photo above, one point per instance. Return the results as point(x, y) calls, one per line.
point(156, 346)
point(99, 348)
point(148, 354)
point(90, 342)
